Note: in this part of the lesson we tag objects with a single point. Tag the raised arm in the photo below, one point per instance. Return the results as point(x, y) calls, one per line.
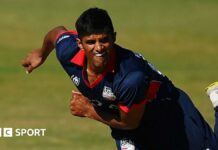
point(37, 57)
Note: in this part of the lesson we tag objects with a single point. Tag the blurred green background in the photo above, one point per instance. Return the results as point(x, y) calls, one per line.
point(178, 36)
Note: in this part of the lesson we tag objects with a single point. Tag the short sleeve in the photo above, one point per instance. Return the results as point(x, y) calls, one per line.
point(66, 46)
point(136, 90)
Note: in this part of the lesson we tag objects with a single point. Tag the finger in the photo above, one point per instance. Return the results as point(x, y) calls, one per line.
point(76, 92)
point(27, 72)
point(27, 65)
point(71, 107)
point(28, 69)
point(71, 102)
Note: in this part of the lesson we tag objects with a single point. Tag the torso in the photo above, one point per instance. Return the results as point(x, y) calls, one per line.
point(113, 86)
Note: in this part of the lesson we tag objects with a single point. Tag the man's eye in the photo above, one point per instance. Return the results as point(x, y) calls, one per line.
point(105, 40)
point(90, 42)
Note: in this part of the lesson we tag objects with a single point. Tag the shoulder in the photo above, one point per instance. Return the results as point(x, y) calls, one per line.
point(131, 71)
point(129, 79)
point(133, 81)
point(66, 39)
point(129, 61)
point(69, 34)
point(127, 55)
point(66, 46)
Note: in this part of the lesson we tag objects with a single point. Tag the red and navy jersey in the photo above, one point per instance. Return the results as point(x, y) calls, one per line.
point(129, 80)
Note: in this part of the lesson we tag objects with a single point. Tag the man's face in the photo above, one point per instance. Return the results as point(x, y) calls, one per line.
point(97, 48)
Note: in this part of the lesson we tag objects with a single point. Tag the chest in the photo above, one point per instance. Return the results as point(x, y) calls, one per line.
point(101, 92)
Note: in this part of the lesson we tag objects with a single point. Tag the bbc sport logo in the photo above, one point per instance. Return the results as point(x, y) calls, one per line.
point(6, 132)
point(18, 132)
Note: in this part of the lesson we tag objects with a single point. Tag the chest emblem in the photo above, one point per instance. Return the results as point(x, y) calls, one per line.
point(75, 79)
point(108, 94)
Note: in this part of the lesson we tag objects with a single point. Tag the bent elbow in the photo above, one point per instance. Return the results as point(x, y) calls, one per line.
point(131, 126)
point(134, 126)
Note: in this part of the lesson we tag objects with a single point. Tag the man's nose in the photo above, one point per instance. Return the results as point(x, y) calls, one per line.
point(99, 47)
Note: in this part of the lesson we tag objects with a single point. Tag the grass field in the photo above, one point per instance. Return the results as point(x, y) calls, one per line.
point(178, 36)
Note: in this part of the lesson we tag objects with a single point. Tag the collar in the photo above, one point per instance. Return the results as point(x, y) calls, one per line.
point(80, 59)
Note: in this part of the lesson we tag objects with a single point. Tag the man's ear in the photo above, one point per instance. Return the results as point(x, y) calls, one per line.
point(79, 43)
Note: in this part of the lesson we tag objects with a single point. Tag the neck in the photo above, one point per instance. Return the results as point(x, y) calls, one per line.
point(92, 75)
point(94, 71)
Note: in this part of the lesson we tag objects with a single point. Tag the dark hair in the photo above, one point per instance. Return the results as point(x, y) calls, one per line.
point(94, 20)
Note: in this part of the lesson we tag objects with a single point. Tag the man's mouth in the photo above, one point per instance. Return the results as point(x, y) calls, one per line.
point(98, 54)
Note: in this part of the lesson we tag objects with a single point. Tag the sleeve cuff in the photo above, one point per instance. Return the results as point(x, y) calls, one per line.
point(126, 109)
point(72, 32)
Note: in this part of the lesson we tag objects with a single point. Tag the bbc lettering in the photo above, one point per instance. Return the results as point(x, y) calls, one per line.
point(10, 132)
point(6, 132)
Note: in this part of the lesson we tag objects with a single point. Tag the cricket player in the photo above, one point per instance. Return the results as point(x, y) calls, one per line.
point(121, 89)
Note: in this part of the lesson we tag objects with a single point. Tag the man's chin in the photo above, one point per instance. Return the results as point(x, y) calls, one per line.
point(101, 61)
point(100, 66)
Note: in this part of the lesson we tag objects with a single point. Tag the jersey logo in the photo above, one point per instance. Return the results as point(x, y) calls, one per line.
point(108, 94)
point(126, 144)
point(75, 79)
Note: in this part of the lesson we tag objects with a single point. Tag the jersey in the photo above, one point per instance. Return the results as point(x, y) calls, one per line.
point(128, 81)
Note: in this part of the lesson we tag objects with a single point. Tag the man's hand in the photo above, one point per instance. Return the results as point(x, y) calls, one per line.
point(33, 60)
point(38, 56)
point(79, 105)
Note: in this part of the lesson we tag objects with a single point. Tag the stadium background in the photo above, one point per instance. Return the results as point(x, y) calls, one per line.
point(178, 36)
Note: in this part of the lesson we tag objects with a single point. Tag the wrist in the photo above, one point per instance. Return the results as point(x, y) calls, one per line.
point(89, 111)
point(45, 51)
